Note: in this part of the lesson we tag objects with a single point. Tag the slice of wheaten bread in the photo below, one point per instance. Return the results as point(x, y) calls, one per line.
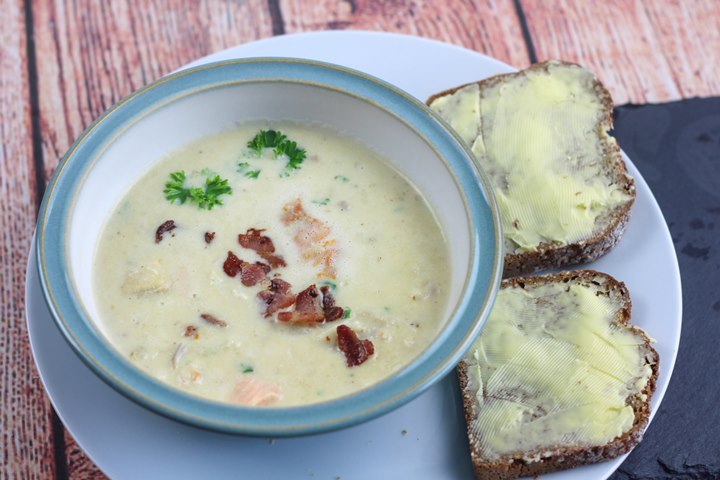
point(541, 136)
point(558, 377)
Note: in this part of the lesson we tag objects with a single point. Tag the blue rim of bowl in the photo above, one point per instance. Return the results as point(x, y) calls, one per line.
point(468, 317)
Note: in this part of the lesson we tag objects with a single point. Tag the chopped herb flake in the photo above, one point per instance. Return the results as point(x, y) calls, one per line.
point(342, 178)
point(247, 368)
point(329, 284)
point(324, 201)
point(347, 312)
point(177, 192)
point(244, 168)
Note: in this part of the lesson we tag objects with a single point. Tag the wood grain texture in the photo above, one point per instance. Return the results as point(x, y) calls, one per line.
point(25, 427)
point(487, 26)
point(79, 466)
point(643, 51)
point(688, 36)
point(92, 54)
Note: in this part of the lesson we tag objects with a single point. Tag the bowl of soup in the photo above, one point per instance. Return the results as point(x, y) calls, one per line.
point(269, 247)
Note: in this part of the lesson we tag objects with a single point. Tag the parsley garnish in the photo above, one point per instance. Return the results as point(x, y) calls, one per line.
point(207, 197)
point(281, 145)
point(295, 154)
point(244, 168)
point(175, 188)
point(346, 312)
point(266, 139)
point(324, 201)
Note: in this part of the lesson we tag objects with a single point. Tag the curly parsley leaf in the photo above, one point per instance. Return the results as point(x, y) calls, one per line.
point(266, 139)
point(176, 190)
point(282, 147)
point(295, 154)
point(214, 187)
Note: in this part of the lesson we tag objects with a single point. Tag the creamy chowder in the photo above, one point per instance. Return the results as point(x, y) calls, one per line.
point(319, 273)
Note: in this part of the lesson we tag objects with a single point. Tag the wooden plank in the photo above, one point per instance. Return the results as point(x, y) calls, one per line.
point(487, 26)
point(613, 40)
point(92, 54)
point(26, 448)
point(644, 51)
point(79, 466)
point(689, 39)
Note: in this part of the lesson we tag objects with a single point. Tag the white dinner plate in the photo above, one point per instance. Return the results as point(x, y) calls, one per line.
point(424, 439)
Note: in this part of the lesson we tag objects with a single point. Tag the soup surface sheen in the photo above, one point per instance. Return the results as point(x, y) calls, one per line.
point(345, 220)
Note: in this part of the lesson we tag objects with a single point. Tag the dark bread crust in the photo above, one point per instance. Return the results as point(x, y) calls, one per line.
point(564, 457)
point(550, 256)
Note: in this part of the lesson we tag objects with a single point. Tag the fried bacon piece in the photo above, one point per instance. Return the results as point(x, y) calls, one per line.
point(213, 320)
point(330, 311)
point(165, 227)
point(251, 392)
point(254, 240)
point(308, 308)
point(209, 237)
point(313, 306)
point(356, 351)
point(232, 264)
point(190, 331)
point(312, 236)
point(277, 296)
point(250, 273)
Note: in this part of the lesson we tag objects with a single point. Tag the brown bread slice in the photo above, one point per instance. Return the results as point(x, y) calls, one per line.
point(608, 227)
point(545, 458)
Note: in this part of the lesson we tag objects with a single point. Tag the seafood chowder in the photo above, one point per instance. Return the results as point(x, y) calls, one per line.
point(272, 265)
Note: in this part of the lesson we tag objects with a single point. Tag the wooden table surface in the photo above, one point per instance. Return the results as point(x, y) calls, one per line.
point(62, 63)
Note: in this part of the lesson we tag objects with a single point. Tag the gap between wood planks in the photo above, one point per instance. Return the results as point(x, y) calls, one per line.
point(58, 437)
point(525, 32)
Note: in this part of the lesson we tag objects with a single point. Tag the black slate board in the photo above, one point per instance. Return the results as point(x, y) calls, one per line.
point(676, 148)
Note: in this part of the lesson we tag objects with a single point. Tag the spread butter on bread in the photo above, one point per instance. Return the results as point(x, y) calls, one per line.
point(558, 377)
point(541, 136)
